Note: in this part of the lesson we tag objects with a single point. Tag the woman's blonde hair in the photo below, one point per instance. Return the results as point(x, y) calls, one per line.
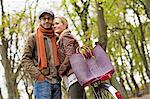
point(63, 20)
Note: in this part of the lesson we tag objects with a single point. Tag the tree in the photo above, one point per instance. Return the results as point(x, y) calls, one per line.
point(102, 27)
point(6, 62)
point(1, 94)
point(12, 29)
point(147, 2)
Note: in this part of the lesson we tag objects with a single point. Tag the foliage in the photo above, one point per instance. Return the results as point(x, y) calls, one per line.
point(128, 35)
point(125, 34)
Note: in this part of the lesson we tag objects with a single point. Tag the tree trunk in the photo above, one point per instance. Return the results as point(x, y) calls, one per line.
point(102, 27)
point(9, 75)
point(140, 67)
point(135, 85)
point(27, 91)
point(124, 88)
point(147, 2)
point(1, 94)
point(30, 95)
point(143, 44)
point(146, 86)
point(129, 58)
point(126, 77)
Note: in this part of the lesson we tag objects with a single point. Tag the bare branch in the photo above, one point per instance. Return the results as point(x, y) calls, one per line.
point(72, 20)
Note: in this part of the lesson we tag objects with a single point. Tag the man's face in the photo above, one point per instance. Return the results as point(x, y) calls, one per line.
point(46, 21)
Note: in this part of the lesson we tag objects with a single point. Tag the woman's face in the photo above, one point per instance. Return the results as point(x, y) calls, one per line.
point(59, 27)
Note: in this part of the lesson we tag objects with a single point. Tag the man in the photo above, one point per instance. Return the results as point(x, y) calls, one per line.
point(40, 58)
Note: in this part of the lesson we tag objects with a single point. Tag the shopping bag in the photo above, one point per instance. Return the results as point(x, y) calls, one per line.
point(100, 66)
point(92, 65)
point(80, 68)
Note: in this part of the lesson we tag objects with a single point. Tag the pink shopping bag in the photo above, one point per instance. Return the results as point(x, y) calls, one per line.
point(80, 68)
point(91, 69)
point(101, 66)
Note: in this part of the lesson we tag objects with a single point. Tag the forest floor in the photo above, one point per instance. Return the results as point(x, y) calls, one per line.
point(143, 97)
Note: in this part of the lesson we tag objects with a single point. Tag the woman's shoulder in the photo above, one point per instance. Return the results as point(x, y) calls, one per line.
point(68, 35)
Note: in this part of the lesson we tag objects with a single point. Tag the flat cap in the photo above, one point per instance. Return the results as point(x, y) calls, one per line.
point(42, 11)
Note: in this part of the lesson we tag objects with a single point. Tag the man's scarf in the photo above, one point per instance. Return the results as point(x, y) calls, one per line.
point(42, 60)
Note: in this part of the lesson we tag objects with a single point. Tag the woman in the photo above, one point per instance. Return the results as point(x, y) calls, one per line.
point(66, 47)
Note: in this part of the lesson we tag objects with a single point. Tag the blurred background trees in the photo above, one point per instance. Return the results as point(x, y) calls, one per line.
point(122, 27)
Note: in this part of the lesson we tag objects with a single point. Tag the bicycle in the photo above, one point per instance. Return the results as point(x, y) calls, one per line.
point(91, 68)
point(105, 91)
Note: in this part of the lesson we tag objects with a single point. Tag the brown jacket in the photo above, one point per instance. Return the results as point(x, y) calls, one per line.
point(67, 45)
point(30, 58)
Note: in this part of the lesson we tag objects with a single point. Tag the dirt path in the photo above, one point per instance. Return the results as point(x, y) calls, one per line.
point(143, 97)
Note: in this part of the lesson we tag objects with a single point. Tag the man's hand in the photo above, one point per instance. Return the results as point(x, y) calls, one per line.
point(41, 77)
point(45, 71)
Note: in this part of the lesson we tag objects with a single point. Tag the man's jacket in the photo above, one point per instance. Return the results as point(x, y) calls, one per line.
point(30, 58)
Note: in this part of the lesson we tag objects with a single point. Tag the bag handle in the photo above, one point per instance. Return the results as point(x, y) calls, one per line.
point(87, 52)
point(78, 50)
